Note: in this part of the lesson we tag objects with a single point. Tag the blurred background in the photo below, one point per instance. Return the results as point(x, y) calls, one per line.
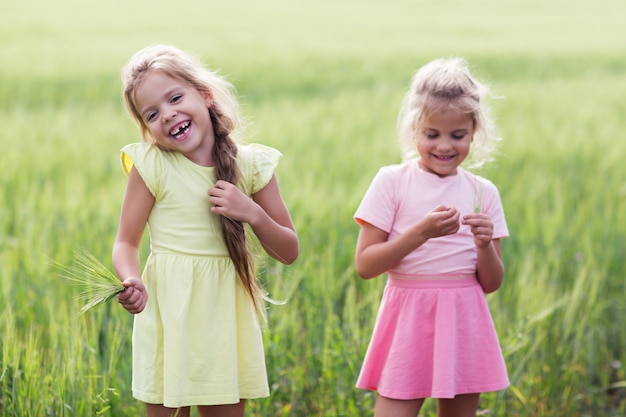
point(322, 81)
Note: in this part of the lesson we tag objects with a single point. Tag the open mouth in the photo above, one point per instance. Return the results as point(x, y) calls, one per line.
point(444, 157)
point(180, 130)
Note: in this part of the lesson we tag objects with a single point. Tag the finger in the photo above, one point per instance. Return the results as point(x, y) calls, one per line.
point(479, 230)
point(474, 223)
point(450, 228)
point(483, 237)
point(131, 282)
point(125, 295)
point(443, 216)
point(137, 309)
point(222, 185)
point(453, 220)
point(214, 201)
point(219, 188)
point(137, 306)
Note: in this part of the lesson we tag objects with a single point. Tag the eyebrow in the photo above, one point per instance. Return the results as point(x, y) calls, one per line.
point(463, 130)
point(144, 111)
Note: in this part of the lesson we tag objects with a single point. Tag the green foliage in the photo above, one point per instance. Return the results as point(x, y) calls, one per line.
point(99, 283)
point(321, 81)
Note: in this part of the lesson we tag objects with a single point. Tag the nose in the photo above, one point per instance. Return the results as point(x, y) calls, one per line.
point(168, 115)
point(444, 144)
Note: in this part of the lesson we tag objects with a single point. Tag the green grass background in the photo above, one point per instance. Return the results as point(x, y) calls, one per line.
point(322, 81)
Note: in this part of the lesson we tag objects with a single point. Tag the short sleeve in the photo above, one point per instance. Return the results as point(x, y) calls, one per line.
point(492, 204)
point(147, 159)
point(378, 206)
point(257, 165)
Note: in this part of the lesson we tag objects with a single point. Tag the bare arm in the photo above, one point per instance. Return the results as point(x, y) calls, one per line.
point(490, 268)
point(136, 206)
point(266, 213)
point(375, 254)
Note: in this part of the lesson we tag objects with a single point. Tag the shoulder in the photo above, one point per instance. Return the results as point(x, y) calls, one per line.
point(486, 189)
point(388, 181)
point(257, 164)
point(256, 151)
point(139, 154)
point(396, 172)
point(140, 147)
point(477, 179)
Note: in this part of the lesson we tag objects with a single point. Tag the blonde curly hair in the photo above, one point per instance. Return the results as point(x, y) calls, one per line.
point(441, 83)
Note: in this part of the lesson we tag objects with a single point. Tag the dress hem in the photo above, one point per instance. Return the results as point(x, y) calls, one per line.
point(150, 398)
point(436, 394)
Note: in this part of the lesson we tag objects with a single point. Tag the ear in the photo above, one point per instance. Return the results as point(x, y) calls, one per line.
point(208, 98)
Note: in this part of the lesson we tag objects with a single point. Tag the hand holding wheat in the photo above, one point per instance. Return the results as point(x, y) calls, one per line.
point(100, 284)
point(135, 297)
point(481, 227)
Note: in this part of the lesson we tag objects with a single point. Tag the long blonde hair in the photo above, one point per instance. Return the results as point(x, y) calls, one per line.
point(226, 120)
point(448, 82)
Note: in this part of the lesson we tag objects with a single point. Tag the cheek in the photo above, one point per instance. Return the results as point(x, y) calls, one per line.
point(464, 151)
point(159, 142)
point(155, 132)
point(420, 144)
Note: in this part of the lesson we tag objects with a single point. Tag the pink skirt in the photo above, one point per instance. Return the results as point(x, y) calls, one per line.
point(433, 337)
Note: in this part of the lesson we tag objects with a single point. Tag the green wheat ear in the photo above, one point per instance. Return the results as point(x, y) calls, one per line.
point(98, 282)
point(478, 195)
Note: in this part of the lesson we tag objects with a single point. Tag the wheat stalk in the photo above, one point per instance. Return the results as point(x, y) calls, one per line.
point(478, 195)
point(98, 282)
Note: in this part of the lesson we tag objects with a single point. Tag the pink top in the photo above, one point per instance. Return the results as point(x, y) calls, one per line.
point(400, 195)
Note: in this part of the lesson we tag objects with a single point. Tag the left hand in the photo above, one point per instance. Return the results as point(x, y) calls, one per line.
point(228, 200)
point(481, 226)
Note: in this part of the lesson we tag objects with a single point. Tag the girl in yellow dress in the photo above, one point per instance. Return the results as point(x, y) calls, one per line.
point(196, 338)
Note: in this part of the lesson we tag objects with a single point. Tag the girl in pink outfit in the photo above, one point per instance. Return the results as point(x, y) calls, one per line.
point(435, 229)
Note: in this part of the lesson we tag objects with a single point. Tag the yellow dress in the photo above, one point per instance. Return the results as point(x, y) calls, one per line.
point(198, 341)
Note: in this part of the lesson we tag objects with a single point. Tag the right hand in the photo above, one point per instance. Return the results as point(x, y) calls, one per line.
point(134, 298)
point(441, 221)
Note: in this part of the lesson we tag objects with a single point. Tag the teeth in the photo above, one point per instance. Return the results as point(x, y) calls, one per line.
point(181, 129)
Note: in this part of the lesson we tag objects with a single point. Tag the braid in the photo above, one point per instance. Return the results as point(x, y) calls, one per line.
point(226, 124)
point(233, 232)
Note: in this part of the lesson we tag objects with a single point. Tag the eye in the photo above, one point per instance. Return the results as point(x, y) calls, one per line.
point(458, 136)
point(431, 135)
point(176, 98)
point(151, 116)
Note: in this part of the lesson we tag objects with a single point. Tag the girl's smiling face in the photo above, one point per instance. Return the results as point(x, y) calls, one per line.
point(176, 115)
point(443, 140)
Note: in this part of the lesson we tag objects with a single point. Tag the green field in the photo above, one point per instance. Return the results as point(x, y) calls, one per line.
point(322, 81)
